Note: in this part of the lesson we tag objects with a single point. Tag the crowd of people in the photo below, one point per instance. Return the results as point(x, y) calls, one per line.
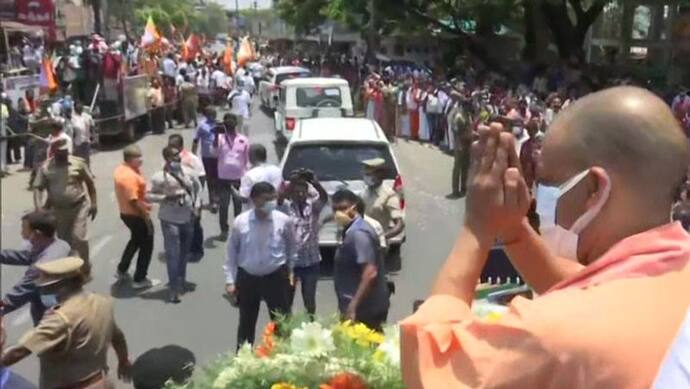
point(593, 254)
point(272, 240)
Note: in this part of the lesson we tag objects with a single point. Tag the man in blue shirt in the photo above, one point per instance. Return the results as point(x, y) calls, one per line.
point(259, 261)
point(305, 213)
point(205, 136)
point(359, 272)
point(38, 230)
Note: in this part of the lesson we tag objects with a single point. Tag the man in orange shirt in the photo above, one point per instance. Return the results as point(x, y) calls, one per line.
point(610, 266)
point(130, 188)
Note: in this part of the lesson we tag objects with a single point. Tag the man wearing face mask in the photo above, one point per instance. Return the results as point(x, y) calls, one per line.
point(41, 245)
point(305, 213)
point(607, 257)
point(259, 261)
point(360, 273)
point(177, 192)
point(71, 195)
point(73, 338)
point(381, 202)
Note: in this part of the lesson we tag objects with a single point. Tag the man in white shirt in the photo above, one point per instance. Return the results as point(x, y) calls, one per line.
point(219, 84)
point(219, 78)
point(170, 67)
point(248, 83)
point(240, 102)
point(195, 167)
point(260, 172)
point(82, 123)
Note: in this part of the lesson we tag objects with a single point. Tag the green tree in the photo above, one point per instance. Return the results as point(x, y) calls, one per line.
point(210, 19)
point(303, 15)
point(565, 22)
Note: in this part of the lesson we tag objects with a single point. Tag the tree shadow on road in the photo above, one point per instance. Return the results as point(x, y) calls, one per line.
point(125, 291)
point(156, 366)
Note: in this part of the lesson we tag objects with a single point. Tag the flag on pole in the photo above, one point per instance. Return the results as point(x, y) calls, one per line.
point(151, 35)
point(227, 58)
point(191, 48)
point(246, 52)
point(47, 77)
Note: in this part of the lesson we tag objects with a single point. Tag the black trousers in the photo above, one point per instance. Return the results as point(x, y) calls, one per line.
point(141, 240)
point(373, 321)
point(272, 288)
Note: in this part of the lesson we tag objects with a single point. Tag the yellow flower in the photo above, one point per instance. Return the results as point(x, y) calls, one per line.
point(361, 334)
point(285, 385)
point(494, 317)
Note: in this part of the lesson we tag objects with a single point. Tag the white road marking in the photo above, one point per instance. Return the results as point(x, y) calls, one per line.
point(100, 245)
point(21, 317)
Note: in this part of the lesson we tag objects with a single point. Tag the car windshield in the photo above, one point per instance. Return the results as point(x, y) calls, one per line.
point(289, 76)
point(328, 97)
point(337, 161)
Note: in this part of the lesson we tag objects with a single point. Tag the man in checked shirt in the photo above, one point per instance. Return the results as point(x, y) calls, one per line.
point(305, 211)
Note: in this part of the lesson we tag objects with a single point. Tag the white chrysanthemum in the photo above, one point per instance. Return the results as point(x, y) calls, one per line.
point(311, 339)
point(224, 378)
point(391, 344)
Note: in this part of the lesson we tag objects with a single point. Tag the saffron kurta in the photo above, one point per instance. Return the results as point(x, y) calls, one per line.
point(609, 326)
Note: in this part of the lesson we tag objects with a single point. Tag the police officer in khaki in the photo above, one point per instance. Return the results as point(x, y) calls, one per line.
point(381, 202)
point(71, 195)
point(73, 338)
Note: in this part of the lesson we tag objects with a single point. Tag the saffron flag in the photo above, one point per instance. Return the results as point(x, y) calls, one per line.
point(191, 48)
point(228, 59)
point(151, 36)
point(47, 77)
point(246, 52)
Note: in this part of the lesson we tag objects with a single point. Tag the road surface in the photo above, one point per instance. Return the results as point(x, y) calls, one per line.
point(161, 335)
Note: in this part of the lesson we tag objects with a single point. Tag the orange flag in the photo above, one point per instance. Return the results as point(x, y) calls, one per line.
point(191, 48)
point(246, 52)
point(47, 76)
point(227, 59)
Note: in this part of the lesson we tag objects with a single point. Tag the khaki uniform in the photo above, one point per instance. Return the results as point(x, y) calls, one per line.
point(383, 205)
point(72, 342)
point(463, 145)
point(68, 198)
point(39, 126)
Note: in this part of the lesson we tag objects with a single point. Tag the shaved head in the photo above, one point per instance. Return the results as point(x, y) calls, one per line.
point(628, 131)
point(636, 156)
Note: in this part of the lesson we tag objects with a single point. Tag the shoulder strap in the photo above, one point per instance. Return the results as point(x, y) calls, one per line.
point(181, 182)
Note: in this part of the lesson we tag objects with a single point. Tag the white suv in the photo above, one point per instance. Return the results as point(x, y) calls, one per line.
point(308, 98)
point(334, 148)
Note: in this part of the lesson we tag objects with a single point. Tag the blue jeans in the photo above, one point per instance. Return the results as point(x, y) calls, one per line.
point(197, 245)
point(177, 239)
point(308, 276)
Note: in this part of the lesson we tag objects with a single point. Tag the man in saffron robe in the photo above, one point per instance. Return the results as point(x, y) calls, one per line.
point(611, 269)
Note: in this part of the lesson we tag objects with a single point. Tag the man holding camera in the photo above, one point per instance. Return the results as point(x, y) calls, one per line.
point(305, 213)
point(177, 191)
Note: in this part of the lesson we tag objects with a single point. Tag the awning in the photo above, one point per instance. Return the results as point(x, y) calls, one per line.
point(382, 58)
point(16, 26)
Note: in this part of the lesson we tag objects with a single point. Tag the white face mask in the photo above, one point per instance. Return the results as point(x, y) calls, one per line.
point(563, 242)
point(26, 245)
point(370, 181)
point(49, 300)
point(269, 207)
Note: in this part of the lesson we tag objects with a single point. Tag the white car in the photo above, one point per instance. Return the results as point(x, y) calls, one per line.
point(270, 83)
point(334, 148)
point(311, 97)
